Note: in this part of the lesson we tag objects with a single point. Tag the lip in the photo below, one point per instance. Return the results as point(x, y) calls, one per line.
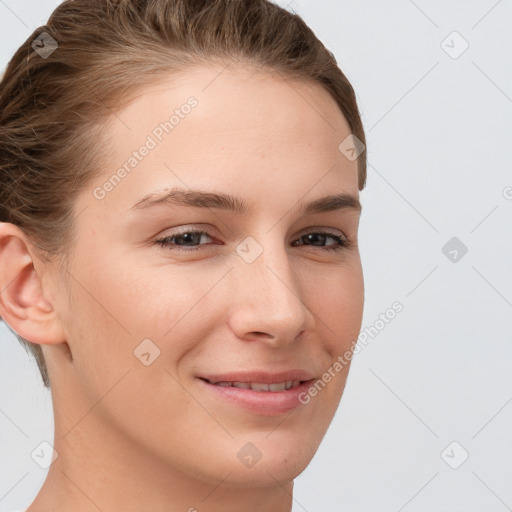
point(263, 403)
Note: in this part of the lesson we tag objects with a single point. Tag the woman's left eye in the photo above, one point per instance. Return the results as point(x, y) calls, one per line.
point(340, 241)
point(192, 236)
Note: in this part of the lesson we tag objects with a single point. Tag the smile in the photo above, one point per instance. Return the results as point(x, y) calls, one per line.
point(260, 398)
point(260, 386)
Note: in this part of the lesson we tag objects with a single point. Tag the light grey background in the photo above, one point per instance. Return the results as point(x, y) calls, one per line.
point(439, 131)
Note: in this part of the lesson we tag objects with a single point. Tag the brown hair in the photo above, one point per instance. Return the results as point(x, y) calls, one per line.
point(52, 106)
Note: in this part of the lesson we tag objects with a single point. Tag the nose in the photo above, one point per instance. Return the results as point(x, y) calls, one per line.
point(268, 303)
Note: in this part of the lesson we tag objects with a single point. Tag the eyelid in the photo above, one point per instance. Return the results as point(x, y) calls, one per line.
point(324, 229)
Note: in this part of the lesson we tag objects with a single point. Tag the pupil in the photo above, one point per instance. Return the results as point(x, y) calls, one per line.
point(314, 236)
point(189, 237)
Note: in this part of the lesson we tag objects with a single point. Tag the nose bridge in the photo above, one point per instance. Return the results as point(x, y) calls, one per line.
point(269, 297)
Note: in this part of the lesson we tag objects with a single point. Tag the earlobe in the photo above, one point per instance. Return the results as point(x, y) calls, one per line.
point(23, 305)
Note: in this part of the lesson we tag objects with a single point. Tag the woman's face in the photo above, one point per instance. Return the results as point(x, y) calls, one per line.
point(262, 290)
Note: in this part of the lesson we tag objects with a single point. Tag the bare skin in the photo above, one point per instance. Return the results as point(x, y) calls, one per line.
point(134, 437)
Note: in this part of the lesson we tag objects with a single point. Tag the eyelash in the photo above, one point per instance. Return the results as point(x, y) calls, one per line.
point(341, 242)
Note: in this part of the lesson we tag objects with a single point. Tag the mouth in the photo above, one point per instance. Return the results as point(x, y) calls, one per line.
point(259, 386)
point(260, 398)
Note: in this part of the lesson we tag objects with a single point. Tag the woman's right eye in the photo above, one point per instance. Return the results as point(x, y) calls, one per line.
point(189, 235)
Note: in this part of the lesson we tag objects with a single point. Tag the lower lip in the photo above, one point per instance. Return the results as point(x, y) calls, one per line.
point(264, 403)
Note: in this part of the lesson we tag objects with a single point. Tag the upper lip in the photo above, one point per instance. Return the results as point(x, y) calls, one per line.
point(260, 376)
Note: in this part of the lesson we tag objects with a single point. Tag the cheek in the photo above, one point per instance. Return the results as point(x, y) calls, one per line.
point(336, 300)
point(336, 297)
point(116, 307)
point(101, 321)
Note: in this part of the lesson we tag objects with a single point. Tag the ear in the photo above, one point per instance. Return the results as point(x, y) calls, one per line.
point(23, 304)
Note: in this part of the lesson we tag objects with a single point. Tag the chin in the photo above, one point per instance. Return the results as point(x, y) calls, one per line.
point(264, 461)
point(265, 474)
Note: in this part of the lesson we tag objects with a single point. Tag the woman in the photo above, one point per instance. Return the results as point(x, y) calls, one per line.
point(179, 188)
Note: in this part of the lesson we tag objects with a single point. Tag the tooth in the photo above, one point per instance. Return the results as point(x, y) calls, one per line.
point(281, 386)
point(256, 386)
point(243, 385)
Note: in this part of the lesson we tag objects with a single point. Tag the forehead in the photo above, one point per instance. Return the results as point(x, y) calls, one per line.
point(230, 97)
point(218, 127)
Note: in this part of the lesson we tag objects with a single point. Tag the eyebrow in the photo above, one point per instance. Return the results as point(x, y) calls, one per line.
point(201, 199)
